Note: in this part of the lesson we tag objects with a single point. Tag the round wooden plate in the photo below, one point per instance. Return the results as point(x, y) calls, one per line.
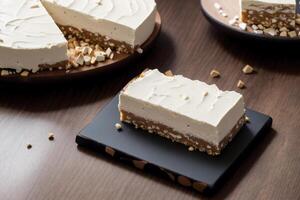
point(232, 8)
point(84, 71)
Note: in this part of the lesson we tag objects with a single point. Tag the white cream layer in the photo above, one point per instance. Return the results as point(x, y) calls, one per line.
point(188, 106)
point(130, 21)
point(28, 36)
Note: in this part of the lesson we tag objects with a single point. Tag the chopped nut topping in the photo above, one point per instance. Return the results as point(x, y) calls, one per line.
point(118, 126)
point(93, 60)
point(87, 60)
point(292, 34)
point(24, 73)
point(100, 56)
point(79, 60)
point(270, 31)
point(51, 136)
point(248, 69)
point(205, 94)
point(283, 29)
point(85, 50)
point(108, 52)
point(261, 27)
point(4, 73)
point(169, 73)
point(215, 74)
point(241, 84)
point(111, 55)
point(283, 34)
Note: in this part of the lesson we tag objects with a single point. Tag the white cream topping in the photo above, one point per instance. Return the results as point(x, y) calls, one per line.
point(131, 21)
point(188, 106)
point(28, 36)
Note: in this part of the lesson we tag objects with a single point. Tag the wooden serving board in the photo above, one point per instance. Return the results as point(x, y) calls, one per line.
point(108, 65)
point(232, 9)
point(162, 157)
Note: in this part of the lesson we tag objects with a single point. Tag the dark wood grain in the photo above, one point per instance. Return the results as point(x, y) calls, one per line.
point(189, 46)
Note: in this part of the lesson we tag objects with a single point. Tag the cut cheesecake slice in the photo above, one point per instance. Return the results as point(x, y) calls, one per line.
point(33, 32)
point(186, 111)
point(275, 14)
point(29, 38)
point(123, 24)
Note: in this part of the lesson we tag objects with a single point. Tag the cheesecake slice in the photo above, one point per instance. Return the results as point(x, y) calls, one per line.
point(276, 14)
point(29, 38)
point(187, 111)
point(48, 34)
point(121, 24)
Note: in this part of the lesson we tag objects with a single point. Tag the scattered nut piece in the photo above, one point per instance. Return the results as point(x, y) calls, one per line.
point(108, 52)
point(215, 73)
point(205, 94)
point(241, 84)
point(247, 119)
point(169, 73)
point(248, 69)
point(79, 60)
point(191, 149)
point(242, 25)
point(29, 146)
point(87, 60)
point(118, 126)
point(139, 50)
point(51, 136)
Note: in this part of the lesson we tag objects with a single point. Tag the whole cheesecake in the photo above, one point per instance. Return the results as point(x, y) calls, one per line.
point(35, 34)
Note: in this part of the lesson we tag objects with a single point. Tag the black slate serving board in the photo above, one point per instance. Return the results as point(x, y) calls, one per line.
point(163, 157)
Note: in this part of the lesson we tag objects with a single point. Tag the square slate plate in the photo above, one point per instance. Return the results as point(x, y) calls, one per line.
point(155, 154)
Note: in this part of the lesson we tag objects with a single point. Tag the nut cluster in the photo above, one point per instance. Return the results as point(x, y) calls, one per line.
point(82, 53)
point(281, 24)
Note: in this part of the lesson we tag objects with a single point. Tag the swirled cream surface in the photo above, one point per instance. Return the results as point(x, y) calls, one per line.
point(130, 21)
point(188, 106)
point(28, 36)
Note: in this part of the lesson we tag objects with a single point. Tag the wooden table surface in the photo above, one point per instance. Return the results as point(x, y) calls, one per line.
point(190, 46)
